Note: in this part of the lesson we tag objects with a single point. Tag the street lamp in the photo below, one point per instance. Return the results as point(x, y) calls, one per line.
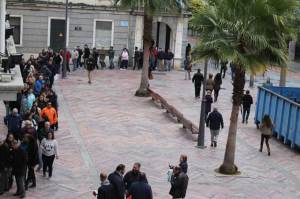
point(64, 70)
point(201, 133)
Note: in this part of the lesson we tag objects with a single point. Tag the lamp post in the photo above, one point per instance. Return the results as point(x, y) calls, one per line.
point(2, 25)
point(201, 133)
point(64, 69)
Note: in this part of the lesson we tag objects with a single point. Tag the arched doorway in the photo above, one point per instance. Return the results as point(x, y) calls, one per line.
point(163, 36)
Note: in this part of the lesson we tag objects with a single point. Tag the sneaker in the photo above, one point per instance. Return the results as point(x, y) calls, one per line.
point(269, 153)
point(211, 145)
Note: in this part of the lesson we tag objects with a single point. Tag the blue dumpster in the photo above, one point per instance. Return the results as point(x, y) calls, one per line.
point(282, 104)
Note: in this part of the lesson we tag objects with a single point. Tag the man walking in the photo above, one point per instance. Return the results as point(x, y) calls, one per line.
point(223, 68)
point(116, 179)
point(214, 122)
point(247, 101)
point(141, 189)
point(179, 183)
point(197, 80)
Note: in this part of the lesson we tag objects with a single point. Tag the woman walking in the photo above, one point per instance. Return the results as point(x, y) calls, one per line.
point(266, 132)
point(49, 152)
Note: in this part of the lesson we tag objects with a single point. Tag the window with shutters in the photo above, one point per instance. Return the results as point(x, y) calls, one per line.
point(103, 34)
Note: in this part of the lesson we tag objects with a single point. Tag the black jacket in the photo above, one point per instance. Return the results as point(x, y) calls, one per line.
point(130, 178)
point(4, 157)
point(169, 55)
point(184, 166)
point(32, 151)
point(198, 79)
point(86, 53)
point(217, 81)
point(247, 101)
point(161, 55)
point(179, 184)
point(215, 120)
point(140, 190)
point(208, 103)
point(19, 162)
point(105, 192)
point(118, 185)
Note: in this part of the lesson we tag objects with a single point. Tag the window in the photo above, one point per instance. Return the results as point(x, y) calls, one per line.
point(103, 34)
point(16, 22)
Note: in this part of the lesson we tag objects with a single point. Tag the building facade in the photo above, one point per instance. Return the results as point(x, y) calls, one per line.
point(40, 24)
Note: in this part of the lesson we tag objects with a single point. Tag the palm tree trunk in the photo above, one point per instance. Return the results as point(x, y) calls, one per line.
point(283, 72)
point(228, 166)
point(147, 41)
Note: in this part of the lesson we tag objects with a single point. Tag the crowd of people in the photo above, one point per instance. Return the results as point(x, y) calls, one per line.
point(31, 122)
point(134, 184)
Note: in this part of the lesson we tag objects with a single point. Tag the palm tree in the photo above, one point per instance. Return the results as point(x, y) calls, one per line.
point(251, 33)
point(150, 9)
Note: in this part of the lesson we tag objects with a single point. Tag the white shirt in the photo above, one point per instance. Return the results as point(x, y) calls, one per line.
point(49, 147)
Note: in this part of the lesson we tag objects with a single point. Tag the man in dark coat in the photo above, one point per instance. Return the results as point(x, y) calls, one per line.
point(116, 179)
point(214, 122)
point(247, 101)
point(105, 191)
point(13, 122)
point(19, 164)
point(223, 67)
point(197, 80)
point(4, 166)
point(32, 153)
point(179, 183)
point(132, 176)
point(140, 189)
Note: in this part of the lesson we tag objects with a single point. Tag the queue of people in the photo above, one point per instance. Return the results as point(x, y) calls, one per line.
point(31, 122)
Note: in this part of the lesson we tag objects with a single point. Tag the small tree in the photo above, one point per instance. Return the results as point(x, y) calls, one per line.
point(150, 8)
point(251, 33)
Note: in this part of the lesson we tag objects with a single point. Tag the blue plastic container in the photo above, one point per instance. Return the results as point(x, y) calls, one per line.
point(282, 104)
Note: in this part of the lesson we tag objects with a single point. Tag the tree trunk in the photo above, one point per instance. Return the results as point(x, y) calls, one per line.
point(147, 41)
point(228, 167)
point(283, 72)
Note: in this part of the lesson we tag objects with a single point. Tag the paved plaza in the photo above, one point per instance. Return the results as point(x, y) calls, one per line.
point(103, 124)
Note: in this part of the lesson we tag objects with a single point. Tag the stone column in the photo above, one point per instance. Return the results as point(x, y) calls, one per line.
point(178, 44)
point(138, 38)
point(2, 25)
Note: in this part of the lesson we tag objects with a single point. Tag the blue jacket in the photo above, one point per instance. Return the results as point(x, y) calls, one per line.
point(13, 123)
point(38, 86)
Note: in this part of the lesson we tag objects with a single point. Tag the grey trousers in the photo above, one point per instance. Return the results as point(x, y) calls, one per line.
point(20, 181)
point(214, 135)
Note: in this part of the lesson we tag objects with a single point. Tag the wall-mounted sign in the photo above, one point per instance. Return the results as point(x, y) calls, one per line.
point(124, 23)
point(78, 28)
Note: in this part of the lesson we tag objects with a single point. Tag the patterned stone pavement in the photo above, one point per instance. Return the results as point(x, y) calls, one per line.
point(103, 124)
